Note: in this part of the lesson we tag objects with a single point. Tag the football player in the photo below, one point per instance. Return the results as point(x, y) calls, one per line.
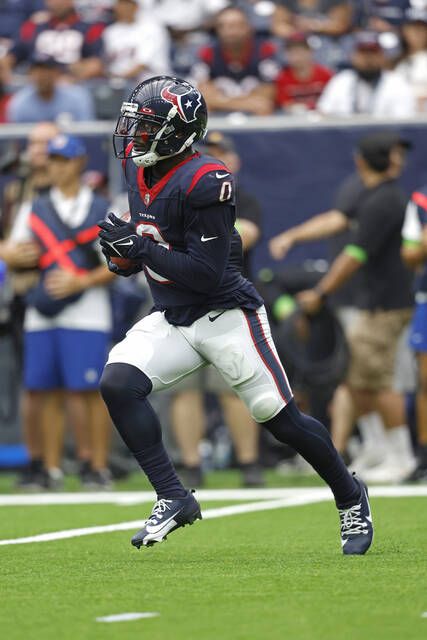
point(182, 234)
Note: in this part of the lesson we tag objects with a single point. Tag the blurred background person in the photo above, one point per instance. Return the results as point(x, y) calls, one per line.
point(135, 45)
point(21, 259)
point(237, 72)
point(327, 21)
point(68, 317)
point(46, 99)
point(301, 82)
point(384, 15)
point(414, 253)
point(339, 225)
point(61, 33)
point(188, 419)
point(188, 23)
point(413, 64)
point(385, 307)
point(368, 87)
point(12, 14)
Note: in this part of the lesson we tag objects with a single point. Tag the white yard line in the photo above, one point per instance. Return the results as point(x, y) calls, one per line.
point(135, 524)
point(291, 498)
point(125, 617)
point(205, 495)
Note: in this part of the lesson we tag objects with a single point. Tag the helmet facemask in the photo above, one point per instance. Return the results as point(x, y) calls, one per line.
point(147, 138)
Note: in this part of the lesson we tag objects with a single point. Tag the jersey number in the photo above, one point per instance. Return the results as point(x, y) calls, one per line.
point(225, 193)
point(152, 231)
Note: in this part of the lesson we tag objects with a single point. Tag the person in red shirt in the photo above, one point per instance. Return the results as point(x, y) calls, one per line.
point(300, 83)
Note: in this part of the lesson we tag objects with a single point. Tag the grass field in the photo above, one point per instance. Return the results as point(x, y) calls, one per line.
point(268, 574)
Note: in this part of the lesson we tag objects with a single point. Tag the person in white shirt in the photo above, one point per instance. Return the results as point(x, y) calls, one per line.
point(135, 46)
point(367, 88)
point(413, 66)
point(68, 318)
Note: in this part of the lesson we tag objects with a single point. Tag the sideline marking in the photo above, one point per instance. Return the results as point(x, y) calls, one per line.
point(424, 615)
point(124, 617)
point(126, 498)
point(207, 515)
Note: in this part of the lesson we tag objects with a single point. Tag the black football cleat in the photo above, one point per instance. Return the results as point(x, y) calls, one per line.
point(166, 516)
point(357, 530)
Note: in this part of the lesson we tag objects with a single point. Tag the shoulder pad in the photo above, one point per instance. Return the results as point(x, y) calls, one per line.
point(211, 184)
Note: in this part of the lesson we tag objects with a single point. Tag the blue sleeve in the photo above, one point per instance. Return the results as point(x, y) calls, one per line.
point(208, 240)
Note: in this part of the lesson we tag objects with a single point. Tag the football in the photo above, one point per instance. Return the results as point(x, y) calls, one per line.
point(123, 263)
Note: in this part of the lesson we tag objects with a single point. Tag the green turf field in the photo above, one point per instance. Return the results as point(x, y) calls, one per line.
point(275, 574)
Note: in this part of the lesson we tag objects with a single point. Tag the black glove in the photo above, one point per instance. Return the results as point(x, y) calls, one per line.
point(114, 268)
point(118, 238)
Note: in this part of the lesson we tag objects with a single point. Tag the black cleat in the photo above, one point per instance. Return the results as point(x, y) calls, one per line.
point(166, 516)
point(357, 530)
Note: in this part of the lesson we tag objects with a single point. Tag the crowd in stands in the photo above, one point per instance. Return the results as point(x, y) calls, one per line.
point(74, 59)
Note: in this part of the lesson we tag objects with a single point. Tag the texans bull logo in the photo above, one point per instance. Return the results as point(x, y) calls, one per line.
point(187, 105)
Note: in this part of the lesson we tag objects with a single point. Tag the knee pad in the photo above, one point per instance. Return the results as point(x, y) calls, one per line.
point(121, 382)
point(264, 406)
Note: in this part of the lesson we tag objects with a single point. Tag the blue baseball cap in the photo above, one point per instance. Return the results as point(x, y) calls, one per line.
point(66, 146)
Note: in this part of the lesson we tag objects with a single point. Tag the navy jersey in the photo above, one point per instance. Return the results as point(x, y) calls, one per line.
point(194, 264)
point(258, 64)
point(68, 40)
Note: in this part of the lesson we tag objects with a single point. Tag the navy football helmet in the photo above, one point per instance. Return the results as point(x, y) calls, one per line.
point(162, 117)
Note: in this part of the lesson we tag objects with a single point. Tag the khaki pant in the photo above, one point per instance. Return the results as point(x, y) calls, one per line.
point(373, 342)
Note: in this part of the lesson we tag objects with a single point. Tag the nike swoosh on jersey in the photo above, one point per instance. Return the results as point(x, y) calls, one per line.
point(221, 175)
point(158, 527)
point(203, 239)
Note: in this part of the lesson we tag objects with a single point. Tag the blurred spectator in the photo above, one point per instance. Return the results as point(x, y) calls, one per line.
point(368, 87)
point(339, 224)
point(414, 253)
point(61, 33)
point(328, 17)
point(413, 66)
point(187, 406)
point(135, 46)
point(95, 10)
point(22, 258)
point(300, 83)
point(385, 305)
point(260, 13)
point(328, 20)
point(384, 15)
point(238, 71)
point(187, 22)
point(68, 318)
point(12, 14)
point(181, 16)
point(44, 99)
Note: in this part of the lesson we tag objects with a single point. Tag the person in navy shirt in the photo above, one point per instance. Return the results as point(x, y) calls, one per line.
point(181, 231)
point(62, 34)
point(237, 71)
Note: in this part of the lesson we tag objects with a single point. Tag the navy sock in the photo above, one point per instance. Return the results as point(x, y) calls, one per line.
point(125, 389)
point(311, 439)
